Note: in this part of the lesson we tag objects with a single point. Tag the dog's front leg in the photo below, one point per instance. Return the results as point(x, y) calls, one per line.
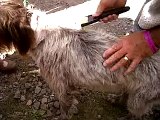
point(67, 107)
point(61, 89)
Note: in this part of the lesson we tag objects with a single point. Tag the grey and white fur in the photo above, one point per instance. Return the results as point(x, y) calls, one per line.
point(70, 58)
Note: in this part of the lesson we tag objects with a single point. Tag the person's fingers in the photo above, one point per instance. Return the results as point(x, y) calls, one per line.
point(115, 16)
point(101, 7)
point(108, 4)
point(112, 50)
point(104, 5)
point(110, 18)
point(117, 55)
point(105, 20)
point(119, 64)
point(96, 14)
point(133, 65)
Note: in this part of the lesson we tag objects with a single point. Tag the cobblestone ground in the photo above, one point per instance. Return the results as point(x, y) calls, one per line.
point(25, 96)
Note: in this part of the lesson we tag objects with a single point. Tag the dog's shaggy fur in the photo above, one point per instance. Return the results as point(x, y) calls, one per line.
point(70, 58)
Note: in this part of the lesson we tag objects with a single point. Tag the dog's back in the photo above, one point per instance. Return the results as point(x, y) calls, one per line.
point(69, 58)
point(74, 58)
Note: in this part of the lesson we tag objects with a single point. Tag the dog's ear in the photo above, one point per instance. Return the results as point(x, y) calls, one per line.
point(23, 38)
point(15, 28)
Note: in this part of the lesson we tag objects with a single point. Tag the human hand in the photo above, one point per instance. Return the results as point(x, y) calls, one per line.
point(109, 4)
point(133, 46)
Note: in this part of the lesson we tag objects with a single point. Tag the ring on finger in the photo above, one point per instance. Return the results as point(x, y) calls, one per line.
point(126, 58)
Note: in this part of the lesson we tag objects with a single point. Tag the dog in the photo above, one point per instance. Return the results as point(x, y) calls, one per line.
point(70, 58)
point(20, 2)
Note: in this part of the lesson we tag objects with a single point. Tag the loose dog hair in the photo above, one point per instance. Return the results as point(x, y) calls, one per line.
point(68, 58)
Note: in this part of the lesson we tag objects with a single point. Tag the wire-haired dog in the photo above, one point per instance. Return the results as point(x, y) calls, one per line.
point(70, 58)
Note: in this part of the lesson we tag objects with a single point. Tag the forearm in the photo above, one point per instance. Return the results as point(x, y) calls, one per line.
point(150, 20)
point(155, 34)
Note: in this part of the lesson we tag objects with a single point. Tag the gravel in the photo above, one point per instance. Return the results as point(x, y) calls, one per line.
point(27, 89)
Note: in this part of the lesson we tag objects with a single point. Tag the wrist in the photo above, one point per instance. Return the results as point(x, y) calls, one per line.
point(150, 41)
point(155, 34)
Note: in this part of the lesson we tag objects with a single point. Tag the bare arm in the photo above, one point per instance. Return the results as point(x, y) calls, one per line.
point(155, 33)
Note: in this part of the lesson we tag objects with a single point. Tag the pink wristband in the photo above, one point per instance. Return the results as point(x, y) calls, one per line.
point(150, 41)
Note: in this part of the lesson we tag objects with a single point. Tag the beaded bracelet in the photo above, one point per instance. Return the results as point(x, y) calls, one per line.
point(150, 41)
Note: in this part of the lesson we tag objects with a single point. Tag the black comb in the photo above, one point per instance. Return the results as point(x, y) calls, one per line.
point(117, 11)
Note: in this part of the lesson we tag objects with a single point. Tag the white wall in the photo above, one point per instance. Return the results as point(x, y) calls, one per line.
point(135, 7)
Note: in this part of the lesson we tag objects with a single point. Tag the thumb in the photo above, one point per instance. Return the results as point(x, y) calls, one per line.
point(101, 7)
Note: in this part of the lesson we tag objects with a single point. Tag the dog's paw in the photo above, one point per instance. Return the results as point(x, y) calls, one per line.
point(117, 98)
point(128, 117)
point(113, 98)
point(73, 110)
point(63, 117)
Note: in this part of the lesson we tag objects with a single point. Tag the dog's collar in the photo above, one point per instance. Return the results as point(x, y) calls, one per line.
point(37, 19)
point(36, 23)
point(33, 19)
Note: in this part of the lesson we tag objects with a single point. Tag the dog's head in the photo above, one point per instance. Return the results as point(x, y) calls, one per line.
point(15, 30)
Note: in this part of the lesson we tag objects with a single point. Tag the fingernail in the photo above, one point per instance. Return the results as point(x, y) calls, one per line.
point(104, 64)
point(104, 56)
point(126, 73)
point(96, 14)
point(112, 69)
